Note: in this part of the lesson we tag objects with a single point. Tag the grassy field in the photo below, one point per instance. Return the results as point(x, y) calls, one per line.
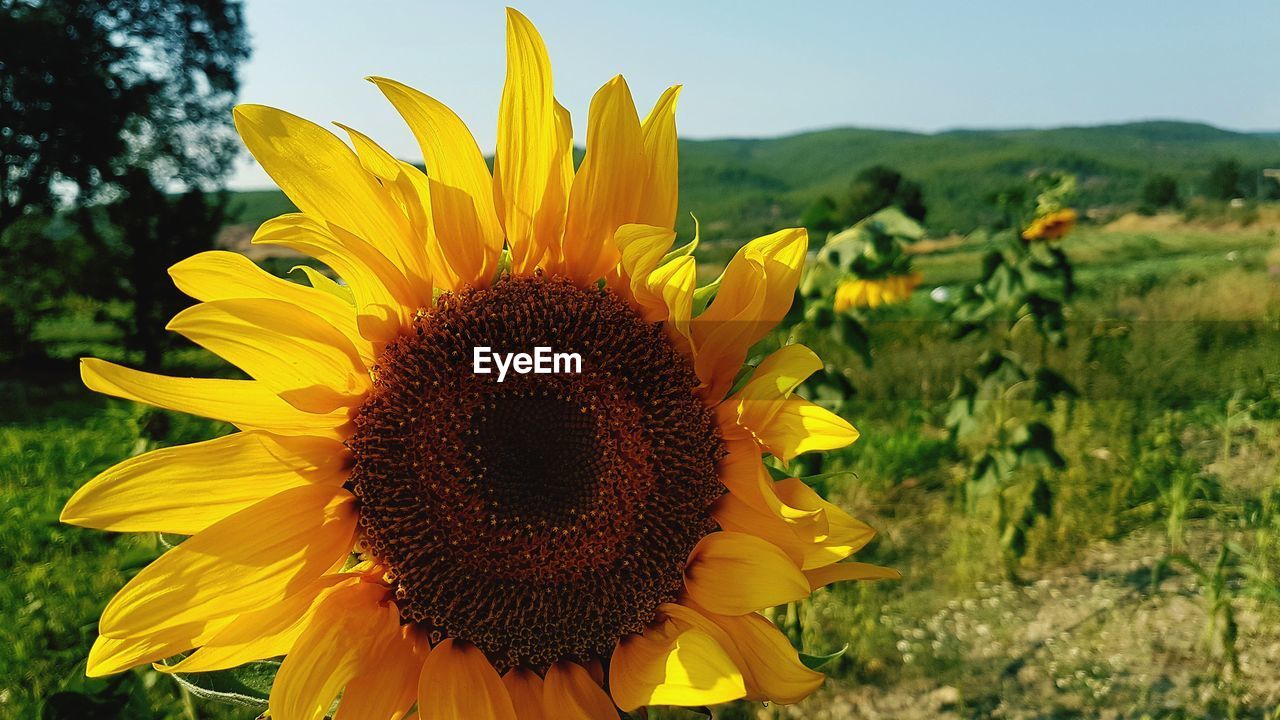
point(1175, 351)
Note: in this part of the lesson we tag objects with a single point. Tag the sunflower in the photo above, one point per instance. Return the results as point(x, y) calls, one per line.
point(874, 292)
point(407, 532)
point(1051, 226)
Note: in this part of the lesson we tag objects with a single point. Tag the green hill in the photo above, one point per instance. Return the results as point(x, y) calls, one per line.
point(743, 187)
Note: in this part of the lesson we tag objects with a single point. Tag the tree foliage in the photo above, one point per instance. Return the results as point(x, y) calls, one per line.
point(91, 88)
point(108, 106)
point(873, 189)
point(1225, 181)
point(1160, 191)
point(879, 187)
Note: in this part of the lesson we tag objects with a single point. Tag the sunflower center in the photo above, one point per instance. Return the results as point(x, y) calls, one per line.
point(544, 516)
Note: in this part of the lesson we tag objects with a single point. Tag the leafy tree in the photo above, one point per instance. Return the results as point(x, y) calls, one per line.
point(155, 231)
point(1160, 191)
point(1226, 180)
point(879, 187)
point(100, 98)
point(821, 217)
point(89, 88)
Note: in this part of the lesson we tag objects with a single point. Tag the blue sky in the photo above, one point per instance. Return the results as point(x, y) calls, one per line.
point(755, 68)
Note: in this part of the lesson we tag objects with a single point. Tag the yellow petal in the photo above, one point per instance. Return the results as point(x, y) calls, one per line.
point(771, 384)
point(373, 158)
point(458, 682)
point(685, 616)
point(260, 555)
point(661, 191)
point(721, 340)
point(606, 190)
point(556, 201)
point(415, 186)
point(670, 665)
point(675, 282)
point(570, 693)
point(641, 248)
point(525, 688)
point(385, 299)
point(756, 291)
point(461, 188)
point(833, 536)
point(527, 185)
point(747, 479)
point(248, 404)
point(323, 178)
point(185, 489)
point(330, 651)
point(774, 665)
point(732, 573)
point(732, 513)
point(398, 180)
point(800, 426)
point(844, 534)
point(387, 685)
point(263, 633)
point(824, 576)
point(320, 281)
point(220, 275)
point(306, 361)
point(112, 655)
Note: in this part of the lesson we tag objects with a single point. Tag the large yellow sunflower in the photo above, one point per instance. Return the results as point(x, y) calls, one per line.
point(406, 532)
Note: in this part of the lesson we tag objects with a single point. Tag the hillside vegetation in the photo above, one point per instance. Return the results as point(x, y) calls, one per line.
point(740, 188)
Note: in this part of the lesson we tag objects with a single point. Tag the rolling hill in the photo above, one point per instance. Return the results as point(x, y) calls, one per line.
point(743, 187)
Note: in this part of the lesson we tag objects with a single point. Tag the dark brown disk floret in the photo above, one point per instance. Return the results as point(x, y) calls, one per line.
point(545, 516)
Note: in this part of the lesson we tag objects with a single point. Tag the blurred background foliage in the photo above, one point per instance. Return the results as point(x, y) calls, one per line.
point(1070, 449)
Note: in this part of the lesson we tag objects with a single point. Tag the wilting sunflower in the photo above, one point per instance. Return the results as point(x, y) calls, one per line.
point(1051, 226)
point(404, 530)
point(874, 292)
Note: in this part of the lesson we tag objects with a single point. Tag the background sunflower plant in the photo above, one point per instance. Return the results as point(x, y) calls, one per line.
point(1000, 408)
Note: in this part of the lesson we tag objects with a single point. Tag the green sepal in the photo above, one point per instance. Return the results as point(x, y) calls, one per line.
point(687, 248)
point(248, 685)
point(816, 662)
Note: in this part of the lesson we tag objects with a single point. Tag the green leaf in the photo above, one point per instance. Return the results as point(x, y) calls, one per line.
point(687, 248)
point(851, 334)
point(1034, 443)
point(812, 480)
point(820, 280)
point(820, 314)
point(1048, 386)
point(702, 296)
point(246, 686)
point(816, 662)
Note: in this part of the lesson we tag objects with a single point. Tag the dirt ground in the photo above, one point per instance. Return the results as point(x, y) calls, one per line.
point(1091, 640)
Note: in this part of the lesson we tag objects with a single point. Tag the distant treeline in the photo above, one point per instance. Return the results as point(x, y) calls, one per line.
point(743, 188)
point(739, 188)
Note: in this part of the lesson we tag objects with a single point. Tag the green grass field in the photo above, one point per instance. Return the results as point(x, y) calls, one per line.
point(1175, 350)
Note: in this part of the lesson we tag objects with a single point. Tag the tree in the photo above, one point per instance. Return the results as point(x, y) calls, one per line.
point(821, 217)
point(1226, 180)
point(157, 231)
point(879, 187)
point(1160, 191)
point(106, 106)
point(89, 88)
